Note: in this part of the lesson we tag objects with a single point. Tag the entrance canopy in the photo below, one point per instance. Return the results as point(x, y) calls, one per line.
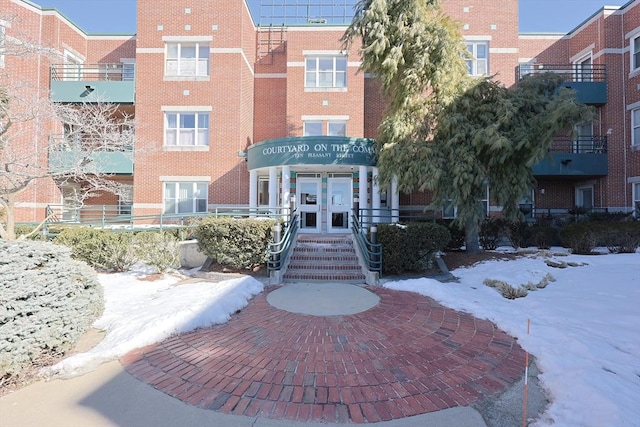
point(312, 150)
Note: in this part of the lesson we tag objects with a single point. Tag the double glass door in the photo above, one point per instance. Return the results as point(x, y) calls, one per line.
point(315, 217)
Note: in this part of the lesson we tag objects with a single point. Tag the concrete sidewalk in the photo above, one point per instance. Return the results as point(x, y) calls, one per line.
point(109, 396)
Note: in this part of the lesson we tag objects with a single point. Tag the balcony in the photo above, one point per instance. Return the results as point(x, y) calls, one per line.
point(575, 157)
point(91, 156)
point(589, 81)
point(76, 83)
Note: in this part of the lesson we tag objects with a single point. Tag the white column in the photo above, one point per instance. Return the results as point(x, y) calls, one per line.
point(364, 195)
point(375, 196)
point(273, 189)
point(286, 191)
point(395, 200)
point(253, 192)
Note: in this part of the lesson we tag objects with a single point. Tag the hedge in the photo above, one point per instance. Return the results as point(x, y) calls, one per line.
point(239, 243)
point(411, 247)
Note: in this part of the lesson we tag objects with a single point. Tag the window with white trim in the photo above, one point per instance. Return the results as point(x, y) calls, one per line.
point(186, 129)
point(583, 69)
point(337, 128)
point(635, 53)
point(636, 199)
point(72, 66)
point(3, 43)
point(187, 59)
point(635, 128)
point(317, 128)
point(125, 200)
point(185, 197)
point(478, 65)
point(263, 191)
point(326, 72)
point(312, 128)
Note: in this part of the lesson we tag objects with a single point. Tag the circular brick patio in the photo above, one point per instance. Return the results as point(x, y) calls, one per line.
point(408, 355)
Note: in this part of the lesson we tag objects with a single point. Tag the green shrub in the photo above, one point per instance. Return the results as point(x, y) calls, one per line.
point(158, 249)
point(47, 301)
point(542, 236)
point(87, 244)
point(621, 237)
point(239, 243)
point(411, 247)
point(457, 235)
point(492, 230)
point(519, 233)
point(608, 217)
point(581, 237)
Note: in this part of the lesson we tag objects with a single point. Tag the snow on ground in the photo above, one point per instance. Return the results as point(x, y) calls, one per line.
point(584, 333)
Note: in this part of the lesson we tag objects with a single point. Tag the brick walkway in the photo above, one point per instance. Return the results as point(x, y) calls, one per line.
point(407, 356)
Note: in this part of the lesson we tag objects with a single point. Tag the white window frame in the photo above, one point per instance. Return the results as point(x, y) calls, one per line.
point(309, 127)
point(635, 195)
point(580, 195)
point(263, 191)
point(313, 73)
point(579, 67)
point(180, 66)
point(3, 42)
point(634, 53)
point(125, 200)
point(473, 64)
point(197, 187)
point(199, 135)
point(341, 123)
point(72, 66)
point(635, 128)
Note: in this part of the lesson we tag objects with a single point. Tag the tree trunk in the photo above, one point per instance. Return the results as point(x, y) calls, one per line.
point(471, 237)
point(9, 231)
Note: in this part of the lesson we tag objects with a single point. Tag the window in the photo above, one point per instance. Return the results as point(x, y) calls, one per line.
point(125, 200)
point(583, 141)
point(72, 66)
point(185, 197)
point(337, 128)
point(636, 199)
point(263, 191)
point(334, 128)
point(313, 128)
point(635, 53)
point(478, 65)
point(128, 71)
point(186, 129)
point(583, 69)
point(326, 71)
point(187, 59)
point(584, 197)
point(3, 46)
point(635, 128)
point(449, 211)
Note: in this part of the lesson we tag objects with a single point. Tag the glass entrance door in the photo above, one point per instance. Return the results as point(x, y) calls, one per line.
point(339, 204)
point(309, 199)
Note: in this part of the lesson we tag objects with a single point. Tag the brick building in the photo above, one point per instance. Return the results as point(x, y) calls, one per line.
point(235, 112)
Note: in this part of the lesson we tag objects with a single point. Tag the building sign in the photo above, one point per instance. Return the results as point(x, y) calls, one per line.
point(312, 150)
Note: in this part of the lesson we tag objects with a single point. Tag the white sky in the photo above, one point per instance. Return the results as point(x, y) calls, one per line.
point(584, 334)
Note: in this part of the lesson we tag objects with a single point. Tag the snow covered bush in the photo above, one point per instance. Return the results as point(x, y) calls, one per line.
point(47, 301)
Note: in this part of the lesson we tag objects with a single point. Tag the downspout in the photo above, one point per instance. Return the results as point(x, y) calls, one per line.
point(624, 116)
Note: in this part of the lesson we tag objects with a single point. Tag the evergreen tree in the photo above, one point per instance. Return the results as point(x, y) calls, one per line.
point(445, 131)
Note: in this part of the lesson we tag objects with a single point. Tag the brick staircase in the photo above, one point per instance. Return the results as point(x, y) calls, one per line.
point(326, 258)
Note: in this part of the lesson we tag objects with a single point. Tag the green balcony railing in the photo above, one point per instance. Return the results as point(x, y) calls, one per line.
point(105, 82)
point(575, 157)
point(588, 80)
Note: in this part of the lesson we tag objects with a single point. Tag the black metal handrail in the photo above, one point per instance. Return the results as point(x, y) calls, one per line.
point(370, 251)
point(579, 145)
point(112, 71)
point(279, 251)
point(569, 72)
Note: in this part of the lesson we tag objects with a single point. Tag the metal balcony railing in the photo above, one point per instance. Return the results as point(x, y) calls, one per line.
point(93, 72)
point(108, 142)
point(579, 145)
point(569, 72)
